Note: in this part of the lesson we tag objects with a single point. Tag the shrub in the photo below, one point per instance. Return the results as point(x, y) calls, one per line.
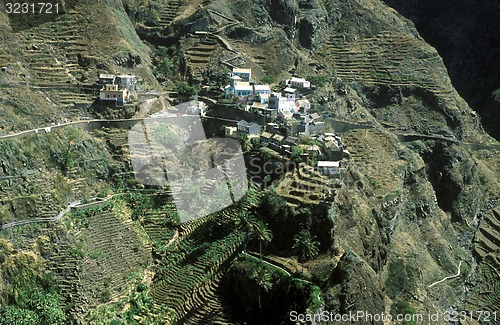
point(401, 278)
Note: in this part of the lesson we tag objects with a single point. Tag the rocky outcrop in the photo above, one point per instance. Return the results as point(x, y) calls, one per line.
point(312, 26)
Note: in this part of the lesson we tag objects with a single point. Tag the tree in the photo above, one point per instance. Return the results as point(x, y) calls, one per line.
point(47, 305)
point(263, 235)
point(185, 90)
point(305, 245)
point(246, 143)
point(164, 69)
point(247, 223)
point(263, 280)
point(296, 154)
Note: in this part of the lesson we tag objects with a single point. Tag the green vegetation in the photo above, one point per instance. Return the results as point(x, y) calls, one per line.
point(215, 76)
point(401, 278)
point(164, 69)
point(268, 79)
point(402, 307)
point(296, 154)
point(319, 80)
point(258, 290)
point(186, 91)
point(305, 246)
point(41, 308)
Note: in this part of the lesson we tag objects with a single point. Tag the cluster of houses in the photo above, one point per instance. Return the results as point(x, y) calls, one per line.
point(284, 117)
point(116, 89)
point(287, 107)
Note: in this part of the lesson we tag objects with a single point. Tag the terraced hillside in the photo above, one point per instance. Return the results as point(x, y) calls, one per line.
point(97, 269)
point(385, 59)
point(487, 237)
point(304, 185)
point(485, 295)
point(188, 274)
point(51, 52)
point(199, 55)
point(373, 152)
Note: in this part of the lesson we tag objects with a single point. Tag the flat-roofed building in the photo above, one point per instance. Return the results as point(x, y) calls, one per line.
point(298, 83)
point(244, 74)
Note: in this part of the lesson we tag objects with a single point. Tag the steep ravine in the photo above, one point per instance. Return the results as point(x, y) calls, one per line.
point(466, 34)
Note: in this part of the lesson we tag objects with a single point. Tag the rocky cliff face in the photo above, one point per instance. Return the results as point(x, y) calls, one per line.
point(466, 35)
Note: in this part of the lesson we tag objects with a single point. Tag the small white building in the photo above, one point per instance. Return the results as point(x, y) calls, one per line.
point(298, 83)
point(329, 168)
point(106, 79)
point(281, 103)
point(127, 81)
point(262, 89)
point(291, 93)
point(243, 89)
point(234, 80)
point(303, 105)
point(244, 74)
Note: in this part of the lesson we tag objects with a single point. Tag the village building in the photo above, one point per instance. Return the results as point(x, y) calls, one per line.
point(292, 128)
point(303, 105)
point(264, 98)
point(262, 89)
point(111, 93)
point(248, 128)
point(244, 74)
point(281, 103)
point(329, 168)
point(291, 93)
point(332, 149)
point(295, 82)
point(106, 79)
point(126, 81)
point(233, 81)
point(277, 140)
point(265, 137)
point(272, 128)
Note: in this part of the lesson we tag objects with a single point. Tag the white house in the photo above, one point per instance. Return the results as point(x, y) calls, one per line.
point(329, 168)
point(262, 89)
point(298, 83)
point(240, 89)
point(264, 98)
point(243, 89)
point(111, 92)
point(126, 81)
point(244, 74)
point(303, 105)
point(280, 103)
point(291, 93)
point(234, 80)
point(106, 79)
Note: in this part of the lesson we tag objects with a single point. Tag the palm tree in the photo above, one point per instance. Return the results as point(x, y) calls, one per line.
point(247, 223)
point(263, 280)
point(305, 245)
point(263, 234)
